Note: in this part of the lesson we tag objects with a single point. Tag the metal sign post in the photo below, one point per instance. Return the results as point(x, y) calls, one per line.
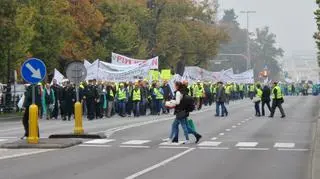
point(76, 72)
point(33, 71)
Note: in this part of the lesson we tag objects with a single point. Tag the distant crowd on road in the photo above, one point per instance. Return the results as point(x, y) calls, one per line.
point(140, 98)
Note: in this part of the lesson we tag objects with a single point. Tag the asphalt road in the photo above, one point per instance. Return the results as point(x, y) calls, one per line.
point(240, 146)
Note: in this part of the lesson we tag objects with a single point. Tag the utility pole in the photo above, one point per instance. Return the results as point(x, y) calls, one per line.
point(248, 37)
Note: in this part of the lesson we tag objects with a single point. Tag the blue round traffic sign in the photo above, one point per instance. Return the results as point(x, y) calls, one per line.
point(33, 70)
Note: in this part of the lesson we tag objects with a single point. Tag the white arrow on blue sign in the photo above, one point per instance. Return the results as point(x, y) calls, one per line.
point(33, 70)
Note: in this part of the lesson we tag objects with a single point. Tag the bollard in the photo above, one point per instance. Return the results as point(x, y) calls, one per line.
point(33, 125)
point(78, 129)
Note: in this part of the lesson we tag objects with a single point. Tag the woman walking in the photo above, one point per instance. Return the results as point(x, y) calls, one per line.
point(181, 115)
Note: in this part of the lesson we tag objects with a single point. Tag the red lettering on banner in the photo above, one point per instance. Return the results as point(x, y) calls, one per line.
point(154, 62)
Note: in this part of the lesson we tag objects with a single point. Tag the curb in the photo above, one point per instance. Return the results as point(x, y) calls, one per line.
point(43, 144)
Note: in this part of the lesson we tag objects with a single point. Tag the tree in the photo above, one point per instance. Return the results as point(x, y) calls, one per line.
point(48, 26)
point(84, 42)
point(316, 36)
point(265, 53)
point(10, 47)
point(237, 44)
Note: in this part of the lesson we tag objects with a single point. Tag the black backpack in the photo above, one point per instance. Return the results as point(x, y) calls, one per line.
point(188, 103)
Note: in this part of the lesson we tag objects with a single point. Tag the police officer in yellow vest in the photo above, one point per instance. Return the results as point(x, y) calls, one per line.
point(252, 91)
point(257, 100)
point(199, 94)
point(241, 90)
point(122, 100)
point(136, 99)
point(277, 100)
point(228, 90)
point(158, 95)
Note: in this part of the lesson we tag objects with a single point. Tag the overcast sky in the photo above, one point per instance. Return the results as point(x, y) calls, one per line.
point(291, 20)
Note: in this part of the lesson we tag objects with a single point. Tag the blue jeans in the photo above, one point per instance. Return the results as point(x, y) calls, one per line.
point(175, 128)
point(122, 107)
point(223, 109)
point(159, 105)
point(136, 108)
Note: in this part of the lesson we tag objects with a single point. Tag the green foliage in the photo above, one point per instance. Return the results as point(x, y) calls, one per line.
point(58, 31)
point(316, 35)
point(262, 45)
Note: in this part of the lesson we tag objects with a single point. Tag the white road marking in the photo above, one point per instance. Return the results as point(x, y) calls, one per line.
point(239, 124)
point(247, 144)
point(284, 145)
point(172, 143)
point(228, 130)
point(99, 141)
point(11, 129)
point(248, 119)
point(159, 164)
point(8, 137)
point(234, 126)
point(209, 144)
point(214, 148)
point(84, 145)
point(214, 138)
point(136, 142)
point(135, 146)
point(296, 150)
point(25, 154)
point(3, 140)
point(221, 134)
point(173, 147)
point(261, 149)
point(243, 121)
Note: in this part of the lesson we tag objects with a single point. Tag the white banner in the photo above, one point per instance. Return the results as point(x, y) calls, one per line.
point(118, 59)
point(194, 73)
point(109, 72)
point(57, 76)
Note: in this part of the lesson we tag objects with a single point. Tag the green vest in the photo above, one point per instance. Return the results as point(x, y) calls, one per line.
point(158, 94)
point(259, 93)
point(228, 89)
point(136, 95)
point(199, 91)
point(241, 87)
point(235, 88)
point(279, 92)
point(122, 94)
point(111, 93)
point(251, 88)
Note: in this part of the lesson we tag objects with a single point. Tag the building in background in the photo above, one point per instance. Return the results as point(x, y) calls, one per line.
point(302, 66)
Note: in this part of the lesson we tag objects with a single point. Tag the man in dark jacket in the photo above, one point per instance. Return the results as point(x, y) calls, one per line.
point(57, 92)
point(220, 100)
point(266, 98)
point(27, 103)
point(167, 93)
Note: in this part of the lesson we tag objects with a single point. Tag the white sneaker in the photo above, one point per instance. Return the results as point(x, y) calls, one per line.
point(187, 142)
point(166, 140)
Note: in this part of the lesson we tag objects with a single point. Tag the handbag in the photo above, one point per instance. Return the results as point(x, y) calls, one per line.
point(256, 99)
point(190, 123)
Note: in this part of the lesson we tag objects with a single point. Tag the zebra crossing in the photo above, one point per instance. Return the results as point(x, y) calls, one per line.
point(213, 145)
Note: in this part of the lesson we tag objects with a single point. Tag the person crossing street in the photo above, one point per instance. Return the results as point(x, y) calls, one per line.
point(277, 100)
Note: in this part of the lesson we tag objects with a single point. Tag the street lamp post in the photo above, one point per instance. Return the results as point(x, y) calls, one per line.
point(248, 36)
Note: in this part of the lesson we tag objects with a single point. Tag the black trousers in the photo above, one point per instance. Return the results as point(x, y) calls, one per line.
point(91, 109)
point(275, 104)
point(268, 105)
point(55, 111)
point(25, 122)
